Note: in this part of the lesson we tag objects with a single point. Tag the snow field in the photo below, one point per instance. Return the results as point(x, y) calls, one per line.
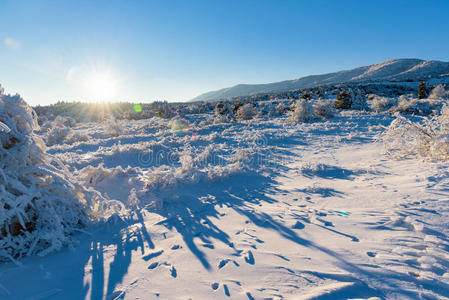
point(253, 209)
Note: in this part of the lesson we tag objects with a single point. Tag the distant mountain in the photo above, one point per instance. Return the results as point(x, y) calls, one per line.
point(392, 70)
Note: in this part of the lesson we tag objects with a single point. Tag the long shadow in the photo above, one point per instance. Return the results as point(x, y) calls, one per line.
point(79, 273)
point(243, 193)
point(194, 222)
point(124, 239)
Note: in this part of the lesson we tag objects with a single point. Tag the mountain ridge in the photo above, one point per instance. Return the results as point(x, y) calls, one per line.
point(404, 69)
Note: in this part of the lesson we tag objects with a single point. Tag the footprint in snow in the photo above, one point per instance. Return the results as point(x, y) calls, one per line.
point(298, 225)
point(223, 263)
point(173, 272)
point(215, 286)
point(249, 257)
point(326, 223)
point(226, 290)
point(153, 265)
point(371, 254)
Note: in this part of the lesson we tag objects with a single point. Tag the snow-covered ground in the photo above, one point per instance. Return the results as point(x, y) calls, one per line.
point(259, 209)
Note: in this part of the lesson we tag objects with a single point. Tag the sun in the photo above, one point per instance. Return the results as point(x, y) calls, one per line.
point(101, 85)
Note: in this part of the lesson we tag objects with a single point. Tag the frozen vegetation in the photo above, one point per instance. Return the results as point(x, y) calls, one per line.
point(328, 193)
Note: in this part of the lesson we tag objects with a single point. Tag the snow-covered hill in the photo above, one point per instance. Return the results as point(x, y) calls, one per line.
point(392, 70)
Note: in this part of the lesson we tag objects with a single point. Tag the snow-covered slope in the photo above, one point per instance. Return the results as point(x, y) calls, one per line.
point(398, 69)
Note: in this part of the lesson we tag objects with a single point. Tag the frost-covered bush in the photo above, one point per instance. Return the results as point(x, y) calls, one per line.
point(224, 109)
point(76, 137)
point(404, 138)
point(246, 112)
point(178, 125)
point(64, 121)
point(405, 103)
point(324, 109)
point(40, 204)
point(303, 111)
point(64, 135)
point(379, 104)
point(164, 110)
point(113, 127)
point(189, 167)
point(277, 110)
point(428, 140)
point(57, 135)
point(218, 119)
point(422, 107)
point(281, 108)
point(439, 92)
point(358, 100)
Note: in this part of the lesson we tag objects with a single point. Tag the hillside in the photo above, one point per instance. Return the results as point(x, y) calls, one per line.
point(392, 70)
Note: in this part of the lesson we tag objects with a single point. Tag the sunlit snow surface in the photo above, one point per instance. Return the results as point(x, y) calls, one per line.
point(260, 209)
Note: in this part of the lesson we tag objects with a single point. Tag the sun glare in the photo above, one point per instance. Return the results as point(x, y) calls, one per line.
point(101, 85)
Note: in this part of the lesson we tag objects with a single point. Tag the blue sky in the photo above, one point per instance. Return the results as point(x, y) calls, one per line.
point(175, 50)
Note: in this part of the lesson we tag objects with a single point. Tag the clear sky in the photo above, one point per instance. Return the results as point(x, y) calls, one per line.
point(174, 50)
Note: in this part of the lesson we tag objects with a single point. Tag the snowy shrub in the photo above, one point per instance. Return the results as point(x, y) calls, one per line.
point(91, 175)
point(443, 120)
point(42, 120)
point(178, 125)
point(404, 138)
point(439, 92)
point(113, 127)
point(76, 137)
point(236, 107)
point(246, 112)
point(219, 109)
point(40, 204)
point(64, 135)
point(281, 108)
point(64, 121)
point(278, 110)
point(428, 140)
point(324, 109)
point(358, 100)
point(222, 119)
point(379, 104)
point(303, 111)
point(164, 110)
point(409, 105)
point(57, 135)
point(133, 200)
point(224, 109)
point(404, 103)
